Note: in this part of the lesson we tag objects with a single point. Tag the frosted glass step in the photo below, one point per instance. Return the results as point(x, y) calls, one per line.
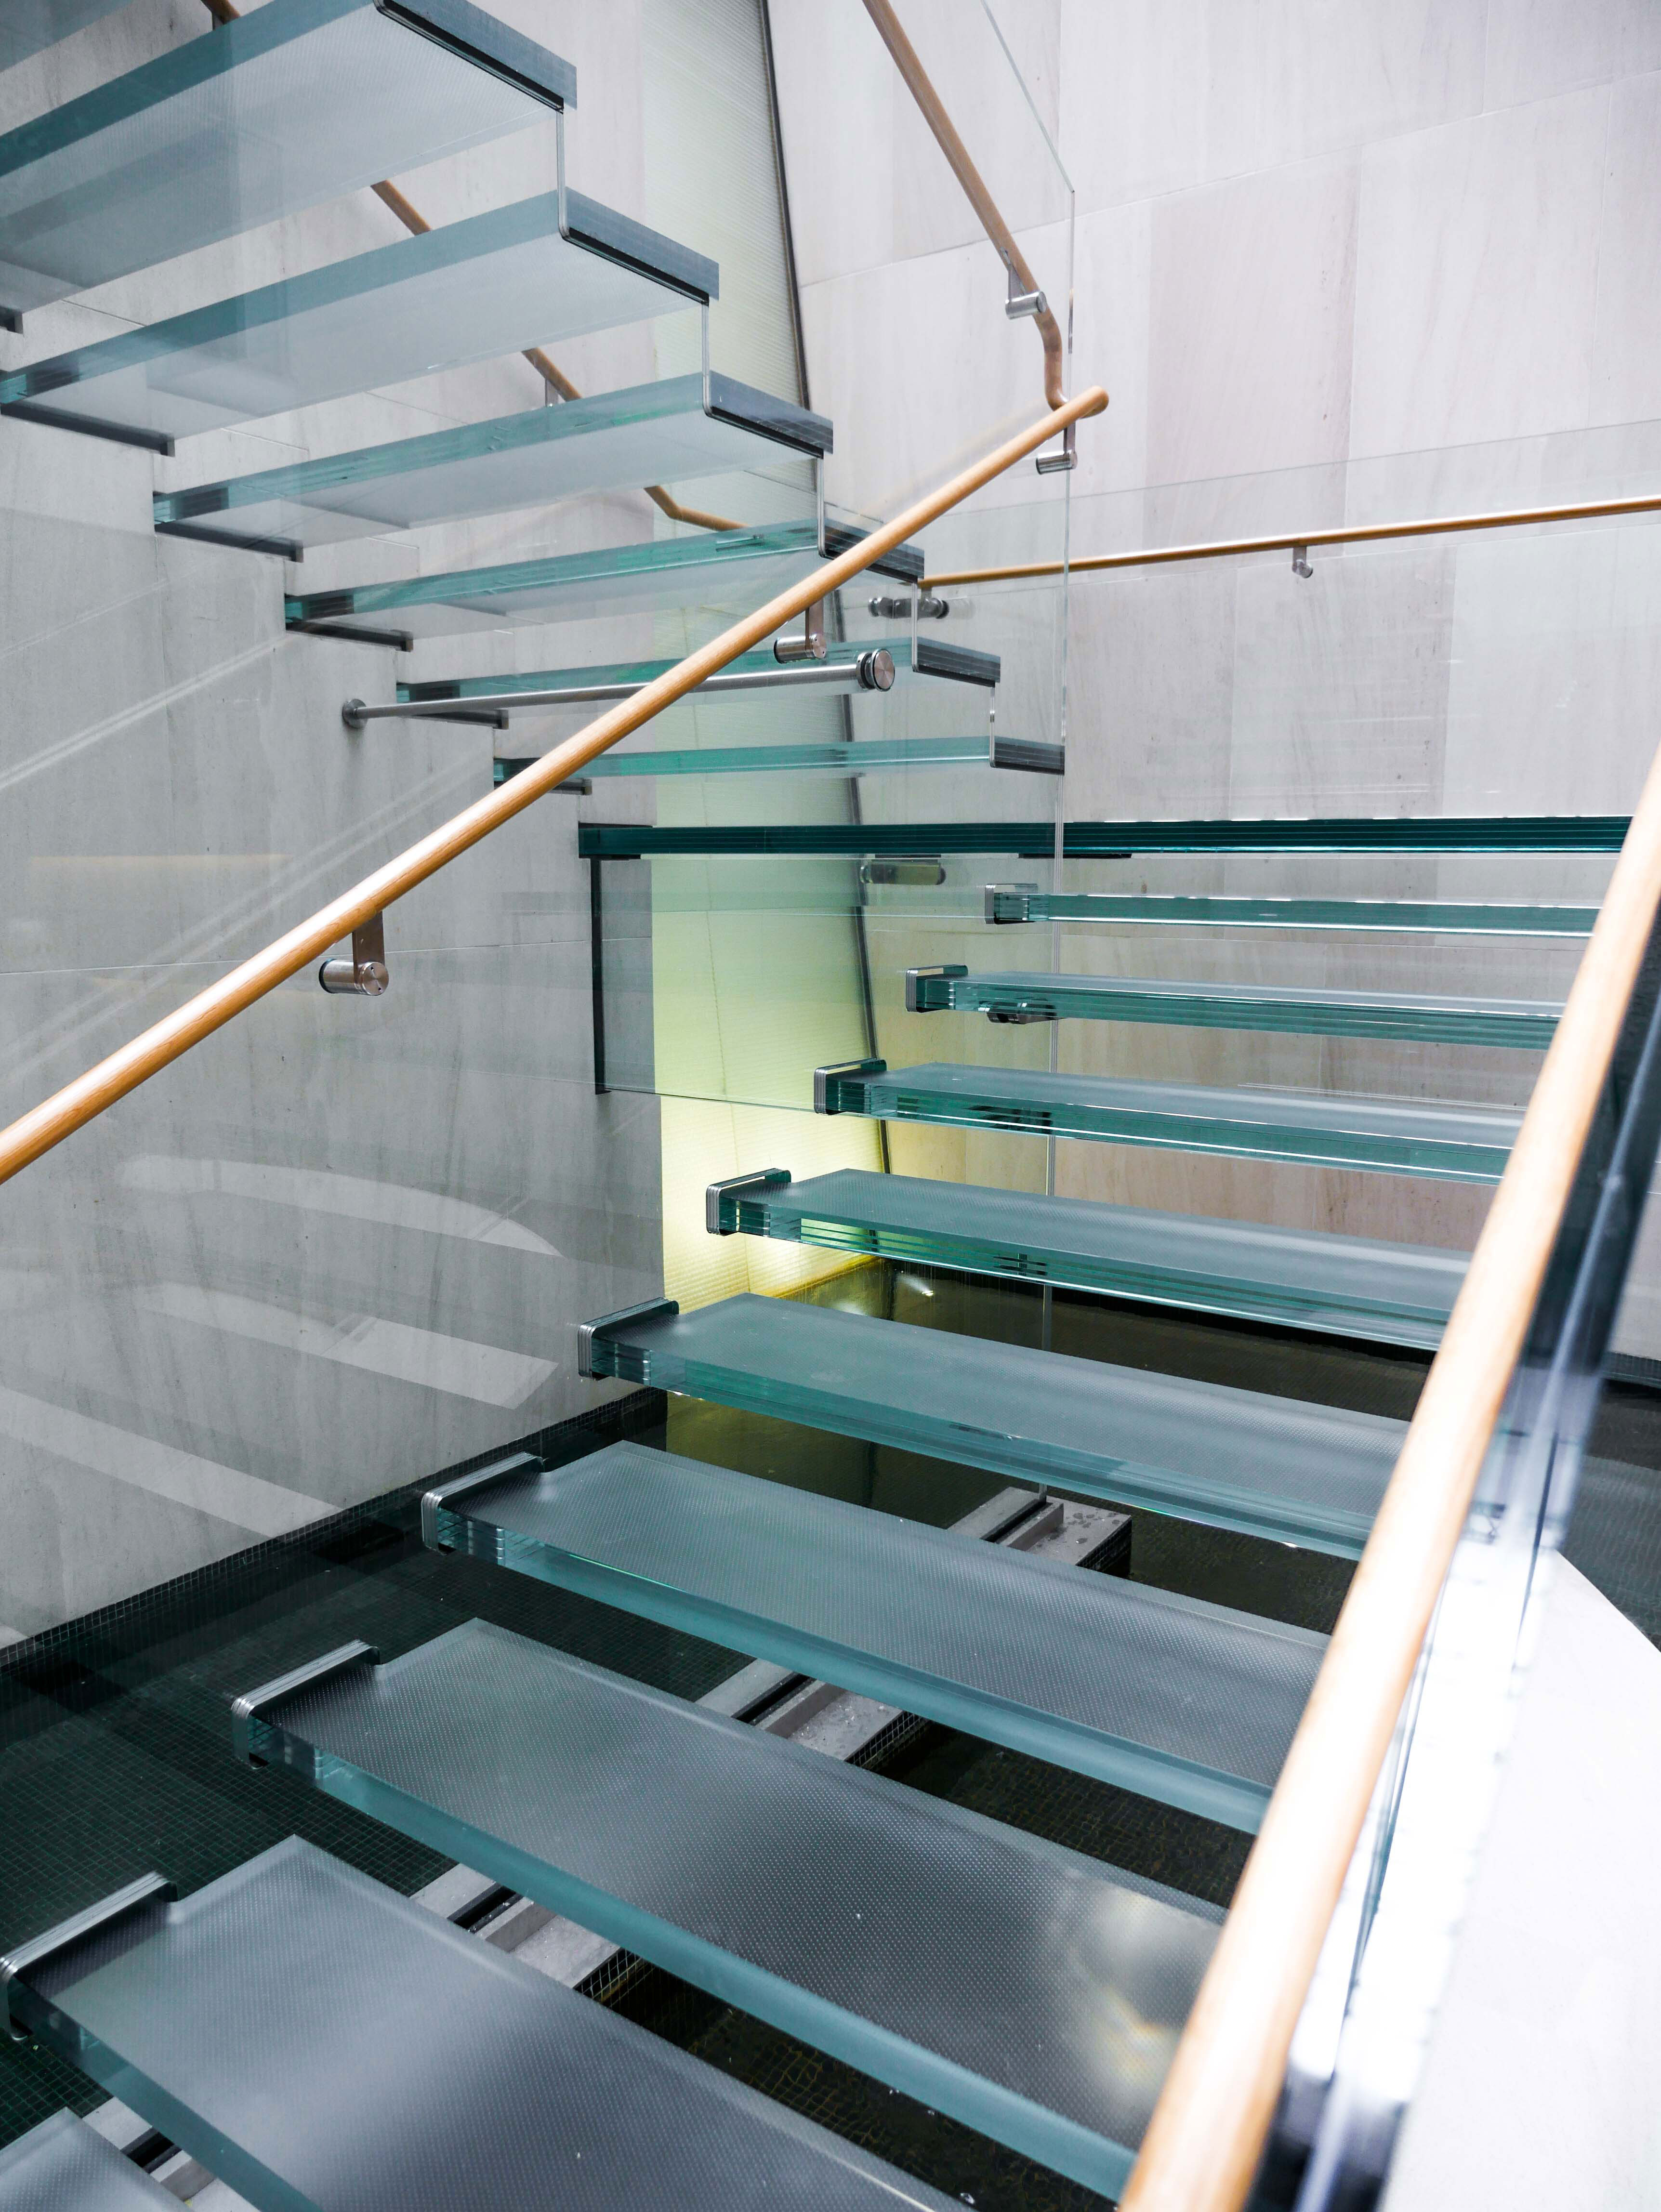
point(64, 2166)
point(1189, 1703)
point(1122, 841)
point(863, 756)
point(952, 663)
point(297, 102)
point(1233, 1459)
point(1292, 1278)
point(316, 2040)
point(1457, 1143)
point(1525, 1025)
point(474, 290)
point(983, 1971)
point(663, 571)
point(28, 26)
point(1020, 902)
point(616, 440)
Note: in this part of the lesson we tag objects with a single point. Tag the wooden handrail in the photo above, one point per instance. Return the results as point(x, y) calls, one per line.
point(77, 1104)
point(1352, 533)
point(1208, 2132)
point(957, 153)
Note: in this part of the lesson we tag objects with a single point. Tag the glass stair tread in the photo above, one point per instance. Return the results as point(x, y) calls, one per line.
point(863, 756)
point(986, 1972)
point(28, 25)
point(1016, 903)
point(294, 103)
point(1298, 1278)
point(659, 433)
point(662, 572)
point(1204, 1451)
point(1526, 1024)
point(1183, 1701)
point(64, 2166)
point(954, 663)
point(474, 290)
point(315, 2040)
point(1122, 841)
point(1459, 1144)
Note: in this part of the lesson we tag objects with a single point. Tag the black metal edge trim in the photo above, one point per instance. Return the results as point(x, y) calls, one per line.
point(118, 434)
point(931, 656)
point(284, 548)
point(615, 237)
point(903, 563)
point(778, 420)
point(401, 641)
point(475, 37)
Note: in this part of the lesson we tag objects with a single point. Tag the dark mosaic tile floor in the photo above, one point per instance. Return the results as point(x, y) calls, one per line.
point(114, 1730)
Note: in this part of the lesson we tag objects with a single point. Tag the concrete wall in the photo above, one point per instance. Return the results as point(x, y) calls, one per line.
point(1332, 263)
point(344, 1242)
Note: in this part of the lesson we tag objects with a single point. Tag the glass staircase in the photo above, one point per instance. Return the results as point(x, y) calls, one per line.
point(1163, 1242)
point(1461, 1144)
point(1304, 1280)
point(1040, 997)
point(558, 266)
point(680, 426)
point(1234, 1459)
point(945, 1954)
point(297, 102)
point(262, 1995)
point(1190, 1703)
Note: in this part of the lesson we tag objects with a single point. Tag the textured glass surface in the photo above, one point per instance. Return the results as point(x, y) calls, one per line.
point(1522, 1023)
point(62, 2166)
point(1029, 1991)
point(661, 572)
point(958, 667)
point(1237, 1459)
point(865, 756)
point(1183, 1701)
point(26, 26)
point(317, 2040)
point(1459, 1144)
point(1298, 1278)
point(297, 102)
point(1006, 903)
point(650, 433)
point(470, 291)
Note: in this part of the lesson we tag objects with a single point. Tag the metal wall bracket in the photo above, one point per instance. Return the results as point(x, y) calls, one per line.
point(930, 607)
point(589, 1331)
point(149, 1890)
point(1300, 562)
point(1020, 303)
point(730, 1186)
point(811, 645)
point(435, 1500)
point(915, 998)
point(1007, 903)
point(364, 975)
point(1049, 464)
point(254, 1706)
point(826, 1095)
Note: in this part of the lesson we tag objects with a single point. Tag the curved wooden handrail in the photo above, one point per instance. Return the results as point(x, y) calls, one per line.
point(963, 169)
point(1208, 2132)
point(1352, 533)
point(69, 1109)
